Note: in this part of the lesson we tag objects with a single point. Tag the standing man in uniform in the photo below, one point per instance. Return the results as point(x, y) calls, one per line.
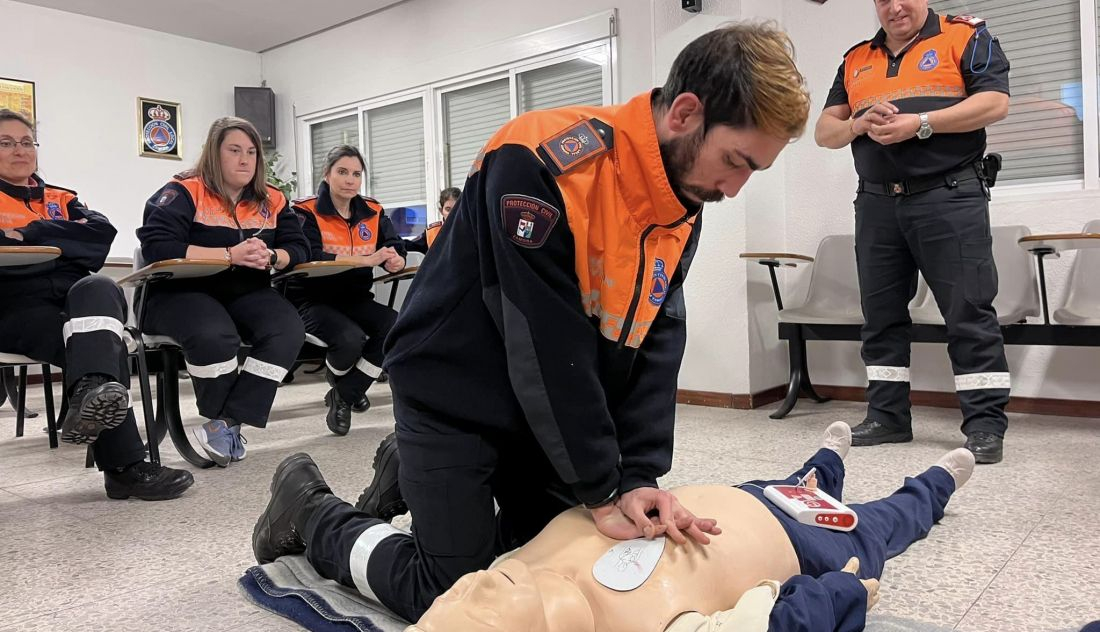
point(914, 102)
point(535, 360)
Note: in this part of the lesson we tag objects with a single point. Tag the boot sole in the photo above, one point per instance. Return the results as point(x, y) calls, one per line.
point(388, 512)
point(103, 409)
point(166, 494)
point(988, 459)
point(260, 532)
point(890, 438)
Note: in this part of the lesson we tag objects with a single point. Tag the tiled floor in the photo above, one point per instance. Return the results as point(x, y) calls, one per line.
point(1019, 548)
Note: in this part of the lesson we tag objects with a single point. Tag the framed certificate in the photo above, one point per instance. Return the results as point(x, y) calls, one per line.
point(159, 129)
point(18, 96)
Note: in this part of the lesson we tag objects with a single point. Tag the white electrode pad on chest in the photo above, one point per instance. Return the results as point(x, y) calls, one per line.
point(628, 564)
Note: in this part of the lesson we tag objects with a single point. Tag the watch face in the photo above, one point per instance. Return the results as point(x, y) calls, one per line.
point(924, 132)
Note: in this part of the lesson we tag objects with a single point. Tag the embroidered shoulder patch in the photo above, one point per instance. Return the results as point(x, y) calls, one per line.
point(527, 220)
point(166, 197)
point(967, 19)
point(573, 146)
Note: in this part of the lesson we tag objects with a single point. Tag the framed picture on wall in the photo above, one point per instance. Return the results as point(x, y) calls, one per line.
point(17, 95)
point(159, 134)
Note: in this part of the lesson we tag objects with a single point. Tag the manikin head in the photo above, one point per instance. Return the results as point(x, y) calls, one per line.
point(507, 598)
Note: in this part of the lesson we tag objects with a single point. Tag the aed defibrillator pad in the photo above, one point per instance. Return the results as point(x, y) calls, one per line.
point(628, 564)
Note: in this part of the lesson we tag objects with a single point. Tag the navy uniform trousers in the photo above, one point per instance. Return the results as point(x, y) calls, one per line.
point(80, 331)
point(944, 233)
point(354, 328)
point(449, 478)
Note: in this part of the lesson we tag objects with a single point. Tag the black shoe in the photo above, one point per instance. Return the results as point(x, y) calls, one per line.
point(296, 489)
point(987, 447)
point(339, 413)
point(147, 481)
point(97, 404)
point(382, 378)
point(361, 406)
point(382, 498)
point(873, 433)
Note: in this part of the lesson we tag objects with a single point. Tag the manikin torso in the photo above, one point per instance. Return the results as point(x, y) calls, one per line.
point(689, 578)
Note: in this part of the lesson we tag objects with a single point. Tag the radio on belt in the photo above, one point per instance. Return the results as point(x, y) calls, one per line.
point(812, 506)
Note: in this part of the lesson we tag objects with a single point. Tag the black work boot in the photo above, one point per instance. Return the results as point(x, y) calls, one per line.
point(382, 498)
point(361, 406)
point(987, 447)
point(96, 404)
point(873, 433)
point(339, 413)
point(147, 481)
point(296, 490)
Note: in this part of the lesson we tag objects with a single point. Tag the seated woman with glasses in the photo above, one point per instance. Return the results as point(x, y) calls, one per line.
point(342, 225)
point(59, 312)
point(224, 210)
point(447, 200)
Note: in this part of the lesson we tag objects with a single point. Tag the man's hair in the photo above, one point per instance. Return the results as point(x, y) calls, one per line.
point(209, 166)
point(9, 115)
point(745, 76)
point(450, 193)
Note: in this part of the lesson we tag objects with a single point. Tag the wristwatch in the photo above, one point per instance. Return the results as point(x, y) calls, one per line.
point(611, 498)
point(274, 259)
point(925, 129)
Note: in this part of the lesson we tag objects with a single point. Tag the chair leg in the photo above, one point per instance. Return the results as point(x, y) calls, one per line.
point(89, 460)
point(47, 392)
point(161, 429)
point(173, 417)
point(21, 401)
point(807, 386)
point(147, 403)
point(795, 355)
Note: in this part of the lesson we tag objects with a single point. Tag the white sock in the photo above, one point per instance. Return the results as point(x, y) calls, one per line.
point(838, 438)
point(959, 463)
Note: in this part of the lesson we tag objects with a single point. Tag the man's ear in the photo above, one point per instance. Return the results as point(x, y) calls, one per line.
point(685, 115)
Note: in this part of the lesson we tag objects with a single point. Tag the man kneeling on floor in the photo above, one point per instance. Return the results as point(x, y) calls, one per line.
point(776, 573)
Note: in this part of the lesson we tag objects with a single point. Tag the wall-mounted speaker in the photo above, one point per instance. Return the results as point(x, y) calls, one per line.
point(257, 106)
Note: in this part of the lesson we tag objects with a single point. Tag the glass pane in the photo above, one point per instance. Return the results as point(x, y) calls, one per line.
point(470, 117)
point(324, 136)
point(395, 153)
point(409, 221)
point(1042, 139)
point(574, 82)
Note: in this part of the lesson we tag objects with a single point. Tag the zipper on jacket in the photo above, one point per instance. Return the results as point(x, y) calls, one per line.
point(632, 311)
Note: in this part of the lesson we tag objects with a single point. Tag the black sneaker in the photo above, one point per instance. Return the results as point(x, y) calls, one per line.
point(296, 489)
point(339, 413)
point(873, 433)
point(987, 447)
point(97, 404)
point(382, 498)
point(147, 481)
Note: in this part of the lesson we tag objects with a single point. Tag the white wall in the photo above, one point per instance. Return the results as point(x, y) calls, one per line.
point(88, 74)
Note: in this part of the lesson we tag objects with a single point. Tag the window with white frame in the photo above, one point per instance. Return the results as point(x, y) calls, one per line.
point(325, 135)
point(1042, 139)
point(397, 130)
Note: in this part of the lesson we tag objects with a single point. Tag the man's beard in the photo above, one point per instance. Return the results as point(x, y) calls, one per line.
point(678, 156)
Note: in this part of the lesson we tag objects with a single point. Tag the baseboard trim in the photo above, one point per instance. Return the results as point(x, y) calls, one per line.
point(935, 399)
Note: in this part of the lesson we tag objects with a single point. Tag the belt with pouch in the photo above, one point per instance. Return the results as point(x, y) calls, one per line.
point(912, 186)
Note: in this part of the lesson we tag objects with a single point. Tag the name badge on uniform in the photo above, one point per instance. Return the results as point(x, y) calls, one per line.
point(629, 564)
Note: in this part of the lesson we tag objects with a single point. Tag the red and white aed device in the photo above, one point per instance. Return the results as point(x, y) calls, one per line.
point(812, 506)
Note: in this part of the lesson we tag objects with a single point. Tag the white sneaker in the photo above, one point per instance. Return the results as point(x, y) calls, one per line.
point(838, 438)
point(959, 463)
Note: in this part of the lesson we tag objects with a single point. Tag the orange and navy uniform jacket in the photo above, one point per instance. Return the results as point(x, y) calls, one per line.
point(185, 213)
point(426, 238)
point(952, 58)
point(365, 232)
point(51, 216)
point(551, 305)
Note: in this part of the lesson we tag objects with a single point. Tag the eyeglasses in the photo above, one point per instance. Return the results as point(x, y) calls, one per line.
point(10, 145)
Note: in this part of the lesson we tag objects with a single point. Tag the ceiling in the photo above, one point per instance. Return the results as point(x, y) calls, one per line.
point(254, 25)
